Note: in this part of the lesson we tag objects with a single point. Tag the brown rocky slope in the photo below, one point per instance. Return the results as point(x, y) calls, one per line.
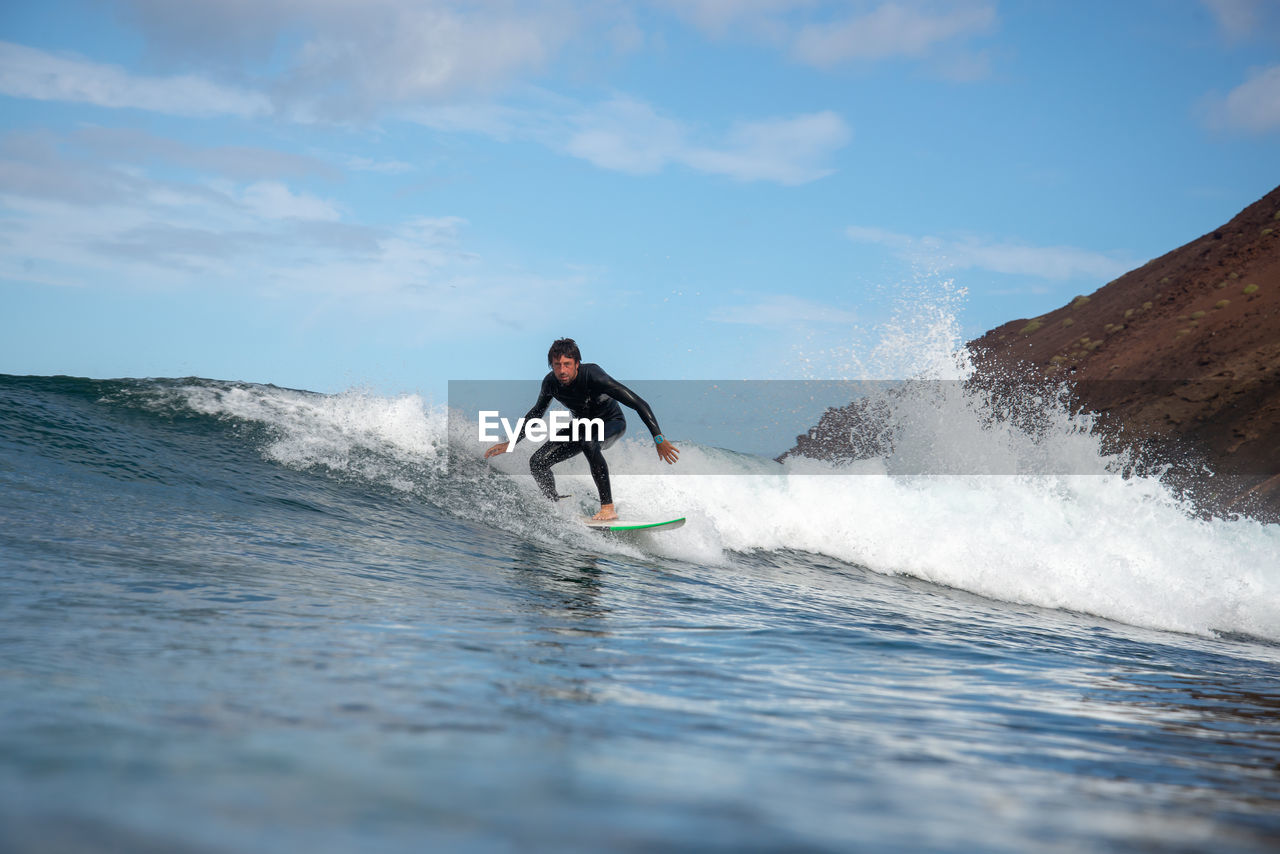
point(1182, 354)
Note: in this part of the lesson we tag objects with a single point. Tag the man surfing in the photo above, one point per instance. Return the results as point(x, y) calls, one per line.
point(588, 393)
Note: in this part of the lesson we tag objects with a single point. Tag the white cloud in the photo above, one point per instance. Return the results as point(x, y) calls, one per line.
point(891, 30)
point(354, 58)
point(381, 167)
point(27, 72)
point(1253, 105)
point(787, 151)
point(119, 225)
point(719, 17)
point(628, 135)
point(827, 34)
point(492, 120)
point(427, 55)
point(870, 234)
point(238, 162)
point(349, 59)
point(32, 167)
point(1236, 18)
point(273, 200)
point(94, 166)
point(1046, 262)
point(784, 311)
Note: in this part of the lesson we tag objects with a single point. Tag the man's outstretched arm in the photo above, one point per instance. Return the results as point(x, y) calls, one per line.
point(622, 394)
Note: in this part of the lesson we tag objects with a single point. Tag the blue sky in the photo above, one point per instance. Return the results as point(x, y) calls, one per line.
point(390, 194)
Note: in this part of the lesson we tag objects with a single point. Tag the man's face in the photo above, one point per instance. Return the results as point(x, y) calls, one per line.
point(566, 369)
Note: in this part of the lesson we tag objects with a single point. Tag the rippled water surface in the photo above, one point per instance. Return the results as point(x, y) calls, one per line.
point(204, 649)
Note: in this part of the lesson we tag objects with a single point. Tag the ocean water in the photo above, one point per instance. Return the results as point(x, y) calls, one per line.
point(242, 618)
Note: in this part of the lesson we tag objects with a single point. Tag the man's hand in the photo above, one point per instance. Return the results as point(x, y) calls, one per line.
point(500, 448)
point(668, 451)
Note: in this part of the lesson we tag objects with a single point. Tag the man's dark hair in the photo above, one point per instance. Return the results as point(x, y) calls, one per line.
point(564, 347)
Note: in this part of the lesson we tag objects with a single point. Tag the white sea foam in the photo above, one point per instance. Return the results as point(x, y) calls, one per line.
point(1114, 547)
point(1090, 540)
point(379, 439)
point(1070, 531)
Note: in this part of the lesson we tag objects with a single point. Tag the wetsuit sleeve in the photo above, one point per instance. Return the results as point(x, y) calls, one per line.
point(622, 394)
point(539, 408)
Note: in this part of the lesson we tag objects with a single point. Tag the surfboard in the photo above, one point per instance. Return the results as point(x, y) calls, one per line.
point(634, 525)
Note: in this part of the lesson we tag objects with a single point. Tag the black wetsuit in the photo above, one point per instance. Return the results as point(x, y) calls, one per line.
point(592, 394)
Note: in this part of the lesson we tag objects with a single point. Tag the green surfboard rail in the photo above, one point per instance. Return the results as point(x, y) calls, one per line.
point(622, 525)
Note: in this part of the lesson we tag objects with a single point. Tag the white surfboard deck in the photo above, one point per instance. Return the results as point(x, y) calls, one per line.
point(634, 524)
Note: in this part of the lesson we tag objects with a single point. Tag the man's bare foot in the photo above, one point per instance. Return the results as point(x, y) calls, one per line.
point(606, 514)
